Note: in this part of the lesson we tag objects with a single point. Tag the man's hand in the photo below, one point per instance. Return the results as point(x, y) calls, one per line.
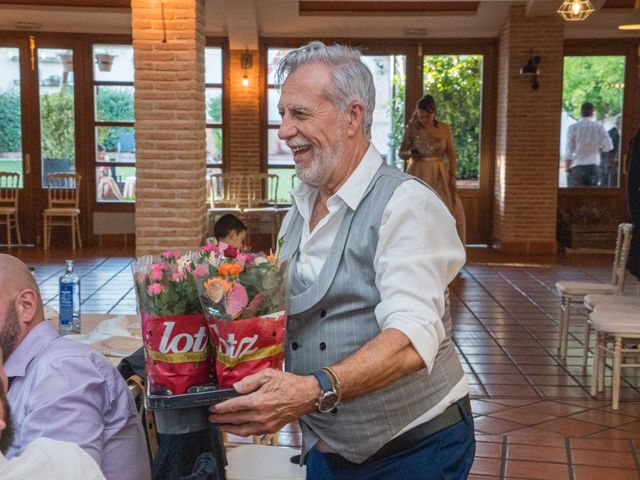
point(269, 400)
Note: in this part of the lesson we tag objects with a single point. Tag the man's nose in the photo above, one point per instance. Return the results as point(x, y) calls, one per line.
point(287, 129)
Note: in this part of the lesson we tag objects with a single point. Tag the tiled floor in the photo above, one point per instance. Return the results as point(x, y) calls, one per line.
point(534, 416)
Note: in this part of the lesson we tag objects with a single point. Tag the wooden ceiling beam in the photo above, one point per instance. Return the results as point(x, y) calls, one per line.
point(111, 4)
point(391, 8)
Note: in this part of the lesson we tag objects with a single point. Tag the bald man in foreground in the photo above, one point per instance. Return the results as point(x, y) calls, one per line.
point(61, 389)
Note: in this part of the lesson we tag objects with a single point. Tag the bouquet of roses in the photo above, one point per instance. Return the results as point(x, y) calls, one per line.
point(243, 299)
point(174, 329)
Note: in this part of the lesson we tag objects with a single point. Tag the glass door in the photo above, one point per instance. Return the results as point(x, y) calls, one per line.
point(37, 121)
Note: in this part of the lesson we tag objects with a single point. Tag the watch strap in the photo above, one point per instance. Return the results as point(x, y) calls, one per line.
point(324, 379)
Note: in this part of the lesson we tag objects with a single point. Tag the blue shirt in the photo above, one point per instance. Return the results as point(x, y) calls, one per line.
point(67, 391)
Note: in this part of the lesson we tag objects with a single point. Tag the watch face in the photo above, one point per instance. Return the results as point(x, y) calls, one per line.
point(327, 401)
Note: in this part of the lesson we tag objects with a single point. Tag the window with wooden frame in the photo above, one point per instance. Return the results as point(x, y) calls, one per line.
point(115, 159)
point(215, 106)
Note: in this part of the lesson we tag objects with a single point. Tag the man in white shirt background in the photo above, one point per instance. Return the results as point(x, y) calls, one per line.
point(586, 140)
point(372, 375)
point(42, 458)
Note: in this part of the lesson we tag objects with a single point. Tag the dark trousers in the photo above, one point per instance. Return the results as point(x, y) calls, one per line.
point(445, 455)
point(583, 176)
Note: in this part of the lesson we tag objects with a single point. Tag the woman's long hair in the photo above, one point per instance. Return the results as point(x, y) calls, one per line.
point(426, 104)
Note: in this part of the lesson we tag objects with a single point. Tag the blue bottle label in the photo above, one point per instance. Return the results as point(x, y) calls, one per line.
point(66, 306)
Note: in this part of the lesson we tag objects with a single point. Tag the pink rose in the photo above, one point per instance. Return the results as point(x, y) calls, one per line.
point(156, 275)
point(158, 267)
point(155, 289)
point(177, 277)
point(200, 271)
point(207, 247)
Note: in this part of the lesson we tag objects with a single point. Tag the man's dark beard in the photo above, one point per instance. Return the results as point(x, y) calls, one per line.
point(10, 332)
point(6, 436)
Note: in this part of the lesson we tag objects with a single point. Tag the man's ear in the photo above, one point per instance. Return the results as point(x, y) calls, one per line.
point(356, 118)
point(27, 305)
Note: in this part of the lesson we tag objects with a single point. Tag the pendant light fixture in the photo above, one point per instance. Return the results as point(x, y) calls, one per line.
point(575, 10)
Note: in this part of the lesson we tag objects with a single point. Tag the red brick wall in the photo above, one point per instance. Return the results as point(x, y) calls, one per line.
point(528, 135)
point(170, 124)
point(244, 116)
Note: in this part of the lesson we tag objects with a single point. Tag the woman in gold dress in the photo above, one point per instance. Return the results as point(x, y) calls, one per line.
point(425, 143)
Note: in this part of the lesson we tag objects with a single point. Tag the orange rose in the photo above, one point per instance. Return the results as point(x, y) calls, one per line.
point(230, 269)
point(216, 288)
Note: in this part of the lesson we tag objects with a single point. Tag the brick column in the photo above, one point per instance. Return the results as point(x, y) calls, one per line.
point(528, 135)
point(244, 116)
point(168, 43)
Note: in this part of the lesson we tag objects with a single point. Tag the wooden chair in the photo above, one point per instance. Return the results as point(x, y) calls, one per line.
point(63, 206)
point(572, 293)
point(616, 324)
point(136, 386)
point(225, 195)
point(9, 191)
point(262, 200)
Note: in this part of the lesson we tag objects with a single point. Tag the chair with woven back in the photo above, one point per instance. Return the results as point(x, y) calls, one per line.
point(63, 206)
point(262, 200)
point(9, 191)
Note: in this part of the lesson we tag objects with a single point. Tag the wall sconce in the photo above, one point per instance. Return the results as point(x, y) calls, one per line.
point(575, 10)
point(632, 21)
point(531, 70)
point(246, 62)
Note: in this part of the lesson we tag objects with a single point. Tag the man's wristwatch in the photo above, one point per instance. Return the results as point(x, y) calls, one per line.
point(330, 390)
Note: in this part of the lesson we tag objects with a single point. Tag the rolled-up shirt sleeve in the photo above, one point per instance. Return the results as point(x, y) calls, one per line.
point(418, 254)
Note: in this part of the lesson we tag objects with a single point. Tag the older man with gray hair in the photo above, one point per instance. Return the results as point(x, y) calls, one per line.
point(372, 373)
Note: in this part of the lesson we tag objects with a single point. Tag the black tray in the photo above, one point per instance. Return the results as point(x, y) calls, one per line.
point(204, 396)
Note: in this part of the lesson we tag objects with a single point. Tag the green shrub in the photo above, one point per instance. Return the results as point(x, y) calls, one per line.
point(113, 105)
point(58, 132)
point(10, 128)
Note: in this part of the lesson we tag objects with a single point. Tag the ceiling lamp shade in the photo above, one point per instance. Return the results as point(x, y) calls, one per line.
point(575, 10)
point(632, 21)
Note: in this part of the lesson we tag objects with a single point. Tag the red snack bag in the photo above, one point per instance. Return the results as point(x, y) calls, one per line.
point(176, 352)
point(247, 346)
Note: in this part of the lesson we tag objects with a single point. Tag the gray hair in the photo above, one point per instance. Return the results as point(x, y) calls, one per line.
point(352, 80)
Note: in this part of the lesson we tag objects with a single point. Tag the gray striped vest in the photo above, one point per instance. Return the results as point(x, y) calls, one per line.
point(334, 317)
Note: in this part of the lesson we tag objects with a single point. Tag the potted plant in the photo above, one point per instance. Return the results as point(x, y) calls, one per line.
point(104, 61)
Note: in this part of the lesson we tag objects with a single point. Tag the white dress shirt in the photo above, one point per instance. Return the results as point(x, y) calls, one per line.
point(418, 254)
point(50, 459)
point(585, 140)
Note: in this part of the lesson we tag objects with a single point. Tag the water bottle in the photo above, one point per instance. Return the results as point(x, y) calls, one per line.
point(69, 300)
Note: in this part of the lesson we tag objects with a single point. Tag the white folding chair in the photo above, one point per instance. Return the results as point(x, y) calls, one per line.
point(616, 324)
point(572, 292)
point(225, 195)
point(263, 460)
point(262, 200)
